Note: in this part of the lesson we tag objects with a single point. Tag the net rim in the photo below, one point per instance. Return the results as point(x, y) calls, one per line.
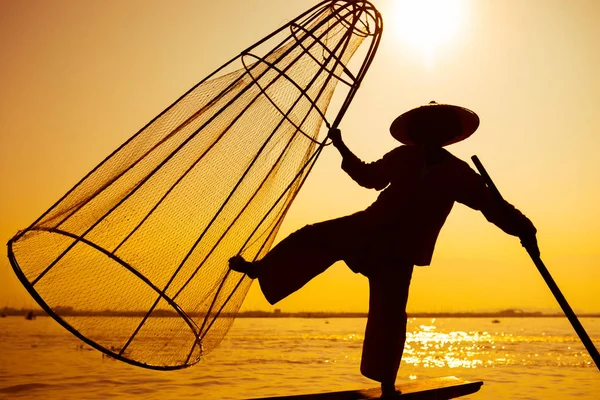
point(49, 310)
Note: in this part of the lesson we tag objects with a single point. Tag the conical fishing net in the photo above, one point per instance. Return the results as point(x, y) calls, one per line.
point(133, 260)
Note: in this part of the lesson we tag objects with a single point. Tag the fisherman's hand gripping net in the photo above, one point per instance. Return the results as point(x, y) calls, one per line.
point(133, 259)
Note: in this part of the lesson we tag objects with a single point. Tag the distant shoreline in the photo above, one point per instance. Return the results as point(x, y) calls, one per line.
point(69, 312)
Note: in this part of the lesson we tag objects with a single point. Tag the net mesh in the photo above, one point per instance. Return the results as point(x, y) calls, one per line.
point(133, 259)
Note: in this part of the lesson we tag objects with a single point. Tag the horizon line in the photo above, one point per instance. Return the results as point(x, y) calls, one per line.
point(69, 311)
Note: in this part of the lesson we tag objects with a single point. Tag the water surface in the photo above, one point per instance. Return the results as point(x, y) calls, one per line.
point(517, 358)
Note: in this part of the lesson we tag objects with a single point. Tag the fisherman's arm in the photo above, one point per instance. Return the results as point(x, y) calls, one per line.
point(474, 193)
point(369, 175)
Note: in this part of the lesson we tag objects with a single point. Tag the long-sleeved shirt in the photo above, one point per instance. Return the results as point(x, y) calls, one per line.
point(419, 190)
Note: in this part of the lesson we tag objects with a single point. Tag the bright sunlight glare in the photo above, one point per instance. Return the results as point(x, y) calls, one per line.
point(426, 24)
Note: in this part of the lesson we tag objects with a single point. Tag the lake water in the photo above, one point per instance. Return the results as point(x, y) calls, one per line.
point(517, 358)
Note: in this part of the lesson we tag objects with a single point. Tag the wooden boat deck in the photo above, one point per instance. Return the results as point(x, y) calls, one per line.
point(448, 387)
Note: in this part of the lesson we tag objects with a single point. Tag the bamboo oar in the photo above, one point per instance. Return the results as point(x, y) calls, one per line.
point(535, 257)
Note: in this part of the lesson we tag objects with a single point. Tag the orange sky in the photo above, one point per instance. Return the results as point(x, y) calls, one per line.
point(79, 78)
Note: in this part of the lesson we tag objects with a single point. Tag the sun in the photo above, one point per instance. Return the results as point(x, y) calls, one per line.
point(426, 25)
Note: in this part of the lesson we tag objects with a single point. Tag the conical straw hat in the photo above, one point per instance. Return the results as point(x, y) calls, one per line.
point(441, 124)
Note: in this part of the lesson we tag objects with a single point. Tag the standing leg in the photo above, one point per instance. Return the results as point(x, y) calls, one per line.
point(385, 333)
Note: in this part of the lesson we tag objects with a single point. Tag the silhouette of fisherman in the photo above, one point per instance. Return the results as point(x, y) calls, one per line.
point(420, 181)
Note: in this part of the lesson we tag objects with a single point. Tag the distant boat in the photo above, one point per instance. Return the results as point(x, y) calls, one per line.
point(30, 315)
point(3, 315)
point(495, 321)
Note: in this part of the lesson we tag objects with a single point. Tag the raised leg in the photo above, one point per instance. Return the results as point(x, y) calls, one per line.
point(301, 256)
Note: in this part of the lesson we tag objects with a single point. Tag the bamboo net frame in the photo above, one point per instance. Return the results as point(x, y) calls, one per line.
point(133, 259)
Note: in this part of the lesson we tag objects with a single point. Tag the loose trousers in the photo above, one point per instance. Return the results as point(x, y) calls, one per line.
point(311, 250)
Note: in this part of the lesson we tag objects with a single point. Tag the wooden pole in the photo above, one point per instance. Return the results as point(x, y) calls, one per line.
point(583, 336)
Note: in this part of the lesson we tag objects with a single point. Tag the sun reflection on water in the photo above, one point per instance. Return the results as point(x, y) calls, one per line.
point(432, 345)
point(429, 347)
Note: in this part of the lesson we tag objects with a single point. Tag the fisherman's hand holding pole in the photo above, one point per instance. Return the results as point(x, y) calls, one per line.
point(527, 231)
point(529, 241)
point(335, 134)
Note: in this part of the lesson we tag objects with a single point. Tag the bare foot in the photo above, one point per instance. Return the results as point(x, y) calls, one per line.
point(388, 390)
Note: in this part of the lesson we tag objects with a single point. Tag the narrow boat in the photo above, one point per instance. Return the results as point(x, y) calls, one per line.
point(448, 387)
